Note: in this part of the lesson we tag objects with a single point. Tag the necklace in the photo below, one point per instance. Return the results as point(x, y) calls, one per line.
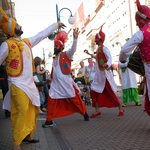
point(19, 43)
point(21, 47)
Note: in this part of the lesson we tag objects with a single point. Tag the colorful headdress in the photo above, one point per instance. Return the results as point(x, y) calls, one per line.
point(7, 24)
point(100, 36)
point(143, 13)
point(60, 39)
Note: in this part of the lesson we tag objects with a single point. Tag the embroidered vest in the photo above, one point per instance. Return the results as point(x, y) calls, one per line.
point(14, 60)
point(144, 46)
point(65, 63)
point(101, 58)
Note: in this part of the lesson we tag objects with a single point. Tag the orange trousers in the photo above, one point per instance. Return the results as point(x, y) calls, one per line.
point(63, 107)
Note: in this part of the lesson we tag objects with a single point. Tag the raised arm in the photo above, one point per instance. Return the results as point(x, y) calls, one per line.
point(45, 33)
point(72, 50)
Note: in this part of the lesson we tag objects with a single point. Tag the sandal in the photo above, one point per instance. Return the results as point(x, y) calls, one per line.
point(30, 141)
point(138, 104)
point(95, 115)
point(121, 113)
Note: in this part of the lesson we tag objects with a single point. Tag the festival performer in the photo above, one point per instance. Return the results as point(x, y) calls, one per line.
point(64, 98)
point(141, 39)
point(25, 99)
point(103, 87)
point(129, 84)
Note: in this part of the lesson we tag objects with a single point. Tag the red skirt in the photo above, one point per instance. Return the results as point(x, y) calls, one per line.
point(105, 99)
point(63, 107)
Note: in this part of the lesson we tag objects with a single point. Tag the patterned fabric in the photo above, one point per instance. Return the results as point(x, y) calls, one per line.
point(101, 58)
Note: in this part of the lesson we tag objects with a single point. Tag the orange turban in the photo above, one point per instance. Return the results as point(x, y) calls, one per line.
point(7, 24)
point(60, 39)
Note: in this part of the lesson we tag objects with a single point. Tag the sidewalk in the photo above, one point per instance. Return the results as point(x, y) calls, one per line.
point(106, 132)
point(47, 139)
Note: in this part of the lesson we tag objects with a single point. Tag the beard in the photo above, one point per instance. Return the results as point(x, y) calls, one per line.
point(18, 32)
point(56, 51)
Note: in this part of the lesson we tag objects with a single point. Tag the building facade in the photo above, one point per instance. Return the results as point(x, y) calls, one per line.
point(120, 25)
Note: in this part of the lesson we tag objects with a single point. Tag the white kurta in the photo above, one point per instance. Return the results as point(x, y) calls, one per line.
point(25, 80)
point(62, 85)
point(127, 49)
point(128, 77)
point(99, 81)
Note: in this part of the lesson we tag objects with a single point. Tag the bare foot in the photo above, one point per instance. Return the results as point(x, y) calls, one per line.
point(16, 147)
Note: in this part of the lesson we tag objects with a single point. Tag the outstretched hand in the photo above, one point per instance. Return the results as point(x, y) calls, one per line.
point(76, 33)
point(87, 52)
point(61, 25)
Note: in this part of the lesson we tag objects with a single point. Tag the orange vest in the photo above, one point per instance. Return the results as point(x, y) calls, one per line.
point(101, 58)
point(65, 63)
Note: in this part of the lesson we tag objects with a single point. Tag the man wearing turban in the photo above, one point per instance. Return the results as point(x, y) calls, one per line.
point(25, 101)
point(141, 39)
point(64, 98)
point(103, 87)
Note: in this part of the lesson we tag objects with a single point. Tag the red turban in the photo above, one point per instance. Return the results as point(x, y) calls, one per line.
point(143, 13)
point(60, 39)
point(100, 36)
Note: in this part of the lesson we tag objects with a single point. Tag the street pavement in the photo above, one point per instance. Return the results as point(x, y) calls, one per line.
point(105, 132)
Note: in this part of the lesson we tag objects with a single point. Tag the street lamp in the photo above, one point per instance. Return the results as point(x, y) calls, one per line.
point(49, 54)
point(71, 20)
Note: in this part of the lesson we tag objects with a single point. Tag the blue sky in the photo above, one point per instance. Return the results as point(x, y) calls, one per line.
point(35, 15)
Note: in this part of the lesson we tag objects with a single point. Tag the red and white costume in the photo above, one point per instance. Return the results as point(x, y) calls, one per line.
point(142, 39)
point(64, 98)
point(103, 87)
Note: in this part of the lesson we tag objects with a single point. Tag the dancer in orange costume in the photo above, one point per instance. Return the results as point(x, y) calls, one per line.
point(64, 98)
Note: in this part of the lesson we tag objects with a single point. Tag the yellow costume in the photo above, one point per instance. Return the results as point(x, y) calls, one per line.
point(24, 96)
point(22, 124)
point(23, 109)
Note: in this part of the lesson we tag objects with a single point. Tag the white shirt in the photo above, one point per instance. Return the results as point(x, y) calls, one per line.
point(62, 85)
point(90, 72)
point(128, 76)
point(99, 81)
point(82, 70)
point(127, 49)
point(25, 80)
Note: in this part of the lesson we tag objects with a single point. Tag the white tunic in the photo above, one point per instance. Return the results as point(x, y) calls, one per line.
point(127, 49)
point(128, 76)
point(62, 85)
point(25, 80)
point(99, 81)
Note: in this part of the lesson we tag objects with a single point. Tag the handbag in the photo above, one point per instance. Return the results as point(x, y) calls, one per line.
point(87, 80)
point(39, 82)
